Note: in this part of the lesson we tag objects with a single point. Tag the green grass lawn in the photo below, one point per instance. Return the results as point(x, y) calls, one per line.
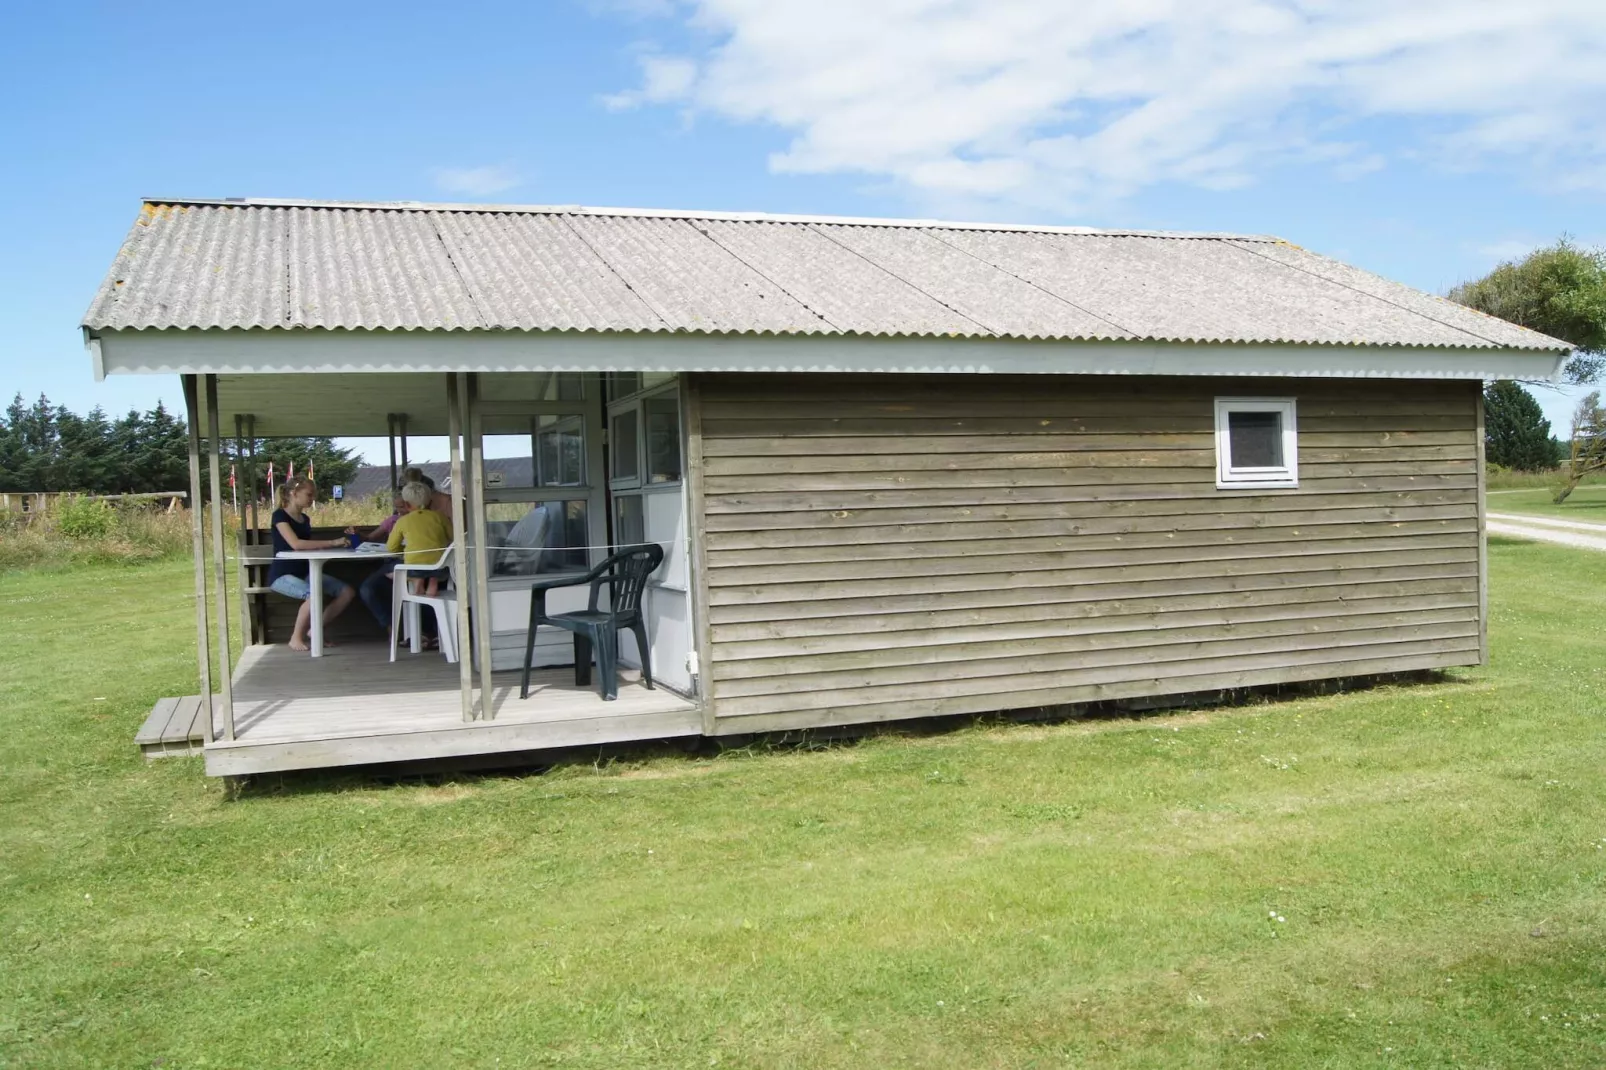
point(1587, 503)
point(1405, 877)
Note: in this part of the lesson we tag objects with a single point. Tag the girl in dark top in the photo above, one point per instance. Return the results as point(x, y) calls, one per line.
point(293, 531)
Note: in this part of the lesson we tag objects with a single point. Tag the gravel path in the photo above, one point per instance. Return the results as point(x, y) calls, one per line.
point(1583, 534)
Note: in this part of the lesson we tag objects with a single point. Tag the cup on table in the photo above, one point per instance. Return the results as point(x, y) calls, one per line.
point(354, 539)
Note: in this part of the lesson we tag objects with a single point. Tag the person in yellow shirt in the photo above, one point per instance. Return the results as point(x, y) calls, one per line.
point(421, 534)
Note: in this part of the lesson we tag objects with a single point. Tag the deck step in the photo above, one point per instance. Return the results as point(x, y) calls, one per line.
point(173, 728)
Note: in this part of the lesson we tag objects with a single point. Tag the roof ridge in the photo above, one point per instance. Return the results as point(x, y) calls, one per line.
point(672, 213)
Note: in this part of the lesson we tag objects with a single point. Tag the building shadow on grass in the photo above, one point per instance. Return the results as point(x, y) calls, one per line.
point(441, 772)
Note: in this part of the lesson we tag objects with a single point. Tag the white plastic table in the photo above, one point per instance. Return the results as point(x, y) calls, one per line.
point(315, 560)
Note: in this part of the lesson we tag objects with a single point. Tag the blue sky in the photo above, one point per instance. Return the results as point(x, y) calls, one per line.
point(1425, 146)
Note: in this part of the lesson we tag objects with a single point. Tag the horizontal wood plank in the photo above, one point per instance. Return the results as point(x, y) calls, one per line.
point(790, 500)
point(875, 573)
point(1191, 421)
point(825, 529)
point(1055, 475)
point(1173, 538)
point(1225, 510)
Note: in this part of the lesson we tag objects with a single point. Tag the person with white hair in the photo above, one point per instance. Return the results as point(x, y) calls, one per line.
point(421, 534)
point(439, 500)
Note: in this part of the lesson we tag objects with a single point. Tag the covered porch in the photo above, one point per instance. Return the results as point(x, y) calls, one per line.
point(352, 707)
point(557, 510)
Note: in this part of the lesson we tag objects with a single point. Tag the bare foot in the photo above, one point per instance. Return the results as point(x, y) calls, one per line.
point(298, 643)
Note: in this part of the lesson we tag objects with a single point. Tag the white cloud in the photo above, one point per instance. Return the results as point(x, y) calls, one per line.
point(476, 181)
point(664, 79)
point(1054, 104)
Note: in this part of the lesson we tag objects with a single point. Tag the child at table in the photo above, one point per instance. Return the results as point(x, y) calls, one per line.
point(422, 534)
point(292, 530)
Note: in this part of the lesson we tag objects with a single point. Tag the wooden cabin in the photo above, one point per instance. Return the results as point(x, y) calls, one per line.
point(900, 468)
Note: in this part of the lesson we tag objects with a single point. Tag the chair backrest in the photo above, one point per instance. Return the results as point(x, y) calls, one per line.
point(629, 569)
point(448, 561)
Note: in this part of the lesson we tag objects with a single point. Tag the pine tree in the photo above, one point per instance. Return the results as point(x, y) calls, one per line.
point(1516, 433)
point(13, 454)
point(161, 455)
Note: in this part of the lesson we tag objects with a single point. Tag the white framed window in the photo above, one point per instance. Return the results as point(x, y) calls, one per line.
point(1256, 444)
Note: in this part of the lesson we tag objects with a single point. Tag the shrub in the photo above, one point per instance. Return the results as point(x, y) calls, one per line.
point(85, 518)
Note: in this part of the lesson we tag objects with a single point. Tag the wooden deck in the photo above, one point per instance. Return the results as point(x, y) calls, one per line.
point(354, 707)
point(173, 728)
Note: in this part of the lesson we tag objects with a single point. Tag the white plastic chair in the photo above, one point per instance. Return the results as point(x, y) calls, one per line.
point(404, 605)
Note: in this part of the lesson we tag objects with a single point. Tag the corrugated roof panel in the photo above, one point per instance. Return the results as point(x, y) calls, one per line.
point(996, 301)
point(198, 267)
point(433, 267)
point(374, 270)
point(1178, 289)
point(1439, 309)
point(532, 272)
point(690, 281)
point(852, 293)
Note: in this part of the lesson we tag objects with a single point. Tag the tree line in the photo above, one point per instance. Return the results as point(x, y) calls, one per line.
point(50, 448)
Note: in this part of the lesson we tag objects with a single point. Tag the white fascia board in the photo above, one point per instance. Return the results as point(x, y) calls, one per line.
point(278, 351)
point(97, 361)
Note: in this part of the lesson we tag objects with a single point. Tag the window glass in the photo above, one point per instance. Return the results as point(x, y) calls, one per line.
point(622, 384)
point(624, 446)
point(526, 538)
point(508, 463)
point(629, 523)
point(662, 417)
point(566, 386)
point(560, 452)
point(1256, 439)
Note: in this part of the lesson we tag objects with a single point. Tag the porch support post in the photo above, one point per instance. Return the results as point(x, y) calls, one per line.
point(220, 569)
point(402, 434)
point(482, 553)
point(203, 646)
point(454, 445)
point(245, 536)
point(390, 436)
point(251, 472)
point(255, 525)
point(691, 402)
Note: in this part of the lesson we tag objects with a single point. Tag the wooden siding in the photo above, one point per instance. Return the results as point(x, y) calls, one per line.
point(878, 547)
